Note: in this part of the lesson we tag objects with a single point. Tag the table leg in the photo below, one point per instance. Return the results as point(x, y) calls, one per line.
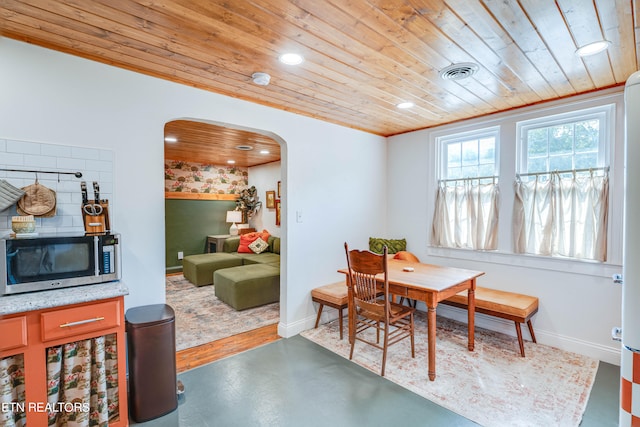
point(471, 313)
point(431, 334)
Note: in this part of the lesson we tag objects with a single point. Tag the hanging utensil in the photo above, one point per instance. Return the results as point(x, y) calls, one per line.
point(96, 192)
point(92, 209)
point(85, 196)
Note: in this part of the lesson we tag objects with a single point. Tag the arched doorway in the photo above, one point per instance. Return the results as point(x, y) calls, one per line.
point(194, 143)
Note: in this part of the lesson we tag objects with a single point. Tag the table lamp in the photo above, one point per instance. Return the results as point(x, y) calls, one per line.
point(234, 216)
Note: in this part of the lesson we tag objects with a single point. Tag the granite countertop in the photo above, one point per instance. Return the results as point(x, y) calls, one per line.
point(30, 301)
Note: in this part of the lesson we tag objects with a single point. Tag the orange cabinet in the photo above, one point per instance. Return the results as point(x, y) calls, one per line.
point(14, 333)
point(30, 334)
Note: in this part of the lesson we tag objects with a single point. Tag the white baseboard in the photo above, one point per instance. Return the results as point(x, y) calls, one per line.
point(328, 314)
point(288, 330)
point(610, 354)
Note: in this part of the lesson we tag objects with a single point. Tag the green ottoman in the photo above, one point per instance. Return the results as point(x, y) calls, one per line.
point(198, 269)
point(248, 286)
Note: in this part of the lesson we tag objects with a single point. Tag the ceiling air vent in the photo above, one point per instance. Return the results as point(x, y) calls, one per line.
point(244, 147)
point(459, 71)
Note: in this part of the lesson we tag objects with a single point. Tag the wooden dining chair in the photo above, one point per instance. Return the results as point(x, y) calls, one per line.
point(370, 305)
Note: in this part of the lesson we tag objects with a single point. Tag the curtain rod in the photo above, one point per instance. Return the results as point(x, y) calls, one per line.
point(494, 177)
point(76, 174)
point(605, 168)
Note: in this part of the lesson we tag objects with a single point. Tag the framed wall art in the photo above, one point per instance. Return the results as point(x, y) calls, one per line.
point(271, 199)
point(278, 212)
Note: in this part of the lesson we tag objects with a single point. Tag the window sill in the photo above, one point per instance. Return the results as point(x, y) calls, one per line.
point(589, 268)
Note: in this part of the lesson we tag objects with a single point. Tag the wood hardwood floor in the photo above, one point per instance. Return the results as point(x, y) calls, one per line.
point(196, 356)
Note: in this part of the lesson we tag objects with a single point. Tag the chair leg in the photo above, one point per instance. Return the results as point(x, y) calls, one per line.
point(384, 348)
point(519, 332)
point(319, 314)
point(340, 321)
point(413, 347)
point(353, 326)
point(533, 337)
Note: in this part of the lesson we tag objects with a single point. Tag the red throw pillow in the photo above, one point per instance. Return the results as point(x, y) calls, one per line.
point(406, 256)
point(264, 234)
point(249, 238)
point(246, 240)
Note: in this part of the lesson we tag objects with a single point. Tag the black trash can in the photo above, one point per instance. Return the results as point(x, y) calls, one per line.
point(151, 347)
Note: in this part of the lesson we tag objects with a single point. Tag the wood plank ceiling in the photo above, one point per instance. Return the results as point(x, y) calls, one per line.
point(361, 57)
point(206, 143)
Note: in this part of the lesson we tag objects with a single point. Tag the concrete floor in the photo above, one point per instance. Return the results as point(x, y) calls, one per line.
point(295, 382)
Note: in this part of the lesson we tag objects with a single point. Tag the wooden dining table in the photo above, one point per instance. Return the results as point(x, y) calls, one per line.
point(431, 284)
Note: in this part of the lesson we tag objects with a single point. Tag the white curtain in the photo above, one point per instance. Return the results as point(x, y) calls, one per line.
point(562, 216)
point(466, 216)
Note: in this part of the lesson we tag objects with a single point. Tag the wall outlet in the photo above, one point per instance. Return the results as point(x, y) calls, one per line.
point(180, 255)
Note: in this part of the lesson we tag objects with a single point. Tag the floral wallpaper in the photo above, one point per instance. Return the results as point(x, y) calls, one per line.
point(190, 177)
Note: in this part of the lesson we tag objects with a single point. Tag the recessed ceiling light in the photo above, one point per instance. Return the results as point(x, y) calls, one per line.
point(231, 162)
point(170, 139)
point(244, 147)
point(593, 48)
point(291, 59)
point(405, 105)
point(264, 151)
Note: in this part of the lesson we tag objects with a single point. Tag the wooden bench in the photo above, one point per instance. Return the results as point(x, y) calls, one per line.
point(334, 295)
point(506, 305)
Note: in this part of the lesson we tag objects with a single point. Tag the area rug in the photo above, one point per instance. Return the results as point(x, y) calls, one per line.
point(493, 385)
point(201, 317)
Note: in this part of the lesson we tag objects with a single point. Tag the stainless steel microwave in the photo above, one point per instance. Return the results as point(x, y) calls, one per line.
point(41, 263)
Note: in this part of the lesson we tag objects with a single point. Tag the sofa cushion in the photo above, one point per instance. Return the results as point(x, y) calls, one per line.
point(274, 244)
point(263, 258)
point(231, 244)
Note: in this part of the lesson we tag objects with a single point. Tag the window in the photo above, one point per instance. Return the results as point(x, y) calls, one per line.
point(562, 191)
point(469, 155)
point(570, 142)
point(466, 209)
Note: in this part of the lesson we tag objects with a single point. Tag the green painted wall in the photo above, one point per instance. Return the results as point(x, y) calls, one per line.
point(187, 224)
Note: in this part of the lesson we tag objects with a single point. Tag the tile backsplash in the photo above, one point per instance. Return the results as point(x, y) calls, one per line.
point(95, 164)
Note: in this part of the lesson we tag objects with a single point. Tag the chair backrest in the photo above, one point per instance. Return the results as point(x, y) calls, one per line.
point(364, 268)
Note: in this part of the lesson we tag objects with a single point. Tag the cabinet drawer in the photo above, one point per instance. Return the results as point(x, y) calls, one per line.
point(79, 320)
point(13, 332)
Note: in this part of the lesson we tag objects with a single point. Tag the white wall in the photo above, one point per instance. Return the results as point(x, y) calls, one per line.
point(55, 98)
point(265, 178)
point(579, 304)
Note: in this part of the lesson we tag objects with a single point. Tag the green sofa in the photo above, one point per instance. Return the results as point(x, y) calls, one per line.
point(241, 280)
